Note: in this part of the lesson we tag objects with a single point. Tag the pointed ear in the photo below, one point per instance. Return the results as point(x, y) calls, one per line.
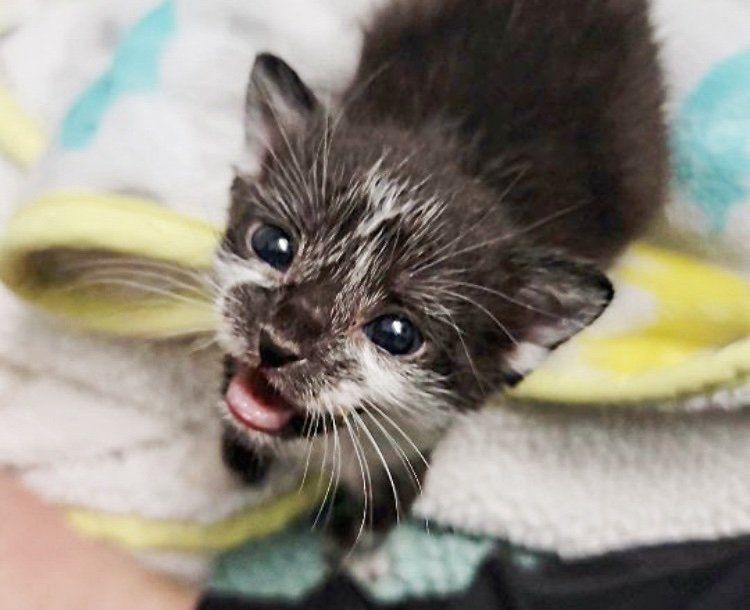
point(277, 104)
point(561, 297)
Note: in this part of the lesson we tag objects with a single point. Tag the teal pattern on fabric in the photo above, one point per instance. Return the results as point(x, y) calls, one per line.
point(135, 67)
point(284, 566)
point(425, 563)
point(420, 563)
point(711, 141)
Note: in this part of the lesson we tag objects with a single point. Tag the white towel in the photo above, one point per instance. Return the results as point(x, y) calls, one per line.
point(575, 482)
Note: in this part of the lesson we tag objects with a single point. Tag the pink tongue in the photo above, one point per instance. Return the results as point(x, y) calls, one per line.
point(256, 408)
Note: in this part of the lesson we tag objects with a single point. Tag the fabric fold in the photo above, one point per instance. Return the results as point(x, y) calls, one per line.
point(146, 190)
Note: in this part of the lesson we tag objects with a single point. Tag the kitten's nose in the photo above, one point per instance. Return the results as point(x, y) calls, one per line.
point(273, 355)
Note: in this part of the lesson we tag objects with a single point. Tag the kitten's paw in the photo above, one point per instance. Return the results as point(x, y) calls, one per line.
point(247, 464)
point(354, 526)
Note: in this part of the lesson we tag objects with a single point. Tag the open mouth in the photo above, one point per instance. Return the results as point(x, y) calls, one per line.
point(257, 405)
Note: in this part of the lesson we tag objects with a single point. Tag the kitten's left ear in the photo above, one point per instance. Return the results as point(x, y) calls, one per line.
point(277, 104)
point(561, 297)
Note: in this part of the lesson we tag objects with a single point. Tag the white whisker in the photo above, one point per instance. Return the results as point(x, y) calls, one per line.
point(361, 423)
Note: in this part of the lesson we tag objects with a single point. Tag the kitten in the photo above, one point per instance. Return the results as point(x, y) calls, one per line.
point(393, 261)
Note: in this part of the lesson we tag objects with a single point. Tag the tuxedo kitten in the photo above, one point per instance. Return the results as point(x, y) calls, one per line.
point(393, 261)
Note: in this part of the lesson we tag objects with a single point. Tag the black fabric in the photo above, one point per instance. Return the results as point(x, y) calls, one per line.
point(697, 576)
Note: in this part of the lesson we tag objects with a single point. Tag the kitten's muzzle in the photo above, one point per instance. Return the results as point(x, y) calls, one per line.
point(255, 404)
point(273, 355)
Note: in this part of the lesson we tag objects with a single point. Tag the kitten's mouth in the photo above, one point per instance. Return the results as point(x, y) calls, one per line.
point(256, 404)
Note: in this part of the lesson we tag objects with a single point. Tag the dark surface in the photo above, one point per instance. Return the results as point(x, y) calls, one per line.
point(694, 576)
point(247, 464)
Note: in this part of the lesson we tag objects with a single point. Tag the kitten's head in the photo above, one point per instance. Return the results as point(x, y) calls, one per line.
point(365, 278)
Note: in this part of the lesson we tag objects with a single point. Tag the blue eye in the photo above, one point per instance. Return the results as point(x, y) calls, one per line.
point(274, 246)
point(395, 334)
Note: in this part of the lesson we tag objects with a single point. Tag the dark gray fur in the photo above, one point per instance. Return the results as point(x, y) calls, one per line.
point(523, 144)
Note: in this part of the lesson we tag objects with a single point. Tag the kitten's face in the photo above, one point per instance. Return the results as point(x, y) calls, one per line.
point(331, 302)
point(365, 282)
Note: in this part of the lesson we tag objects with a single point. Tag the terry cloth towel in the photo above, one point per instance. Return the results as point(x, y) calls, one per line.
point(665, 340)
point(148, 139)
point(125, 433)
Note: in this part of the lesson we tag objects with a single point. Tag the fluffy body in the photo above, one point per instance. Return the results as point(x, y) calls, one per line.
point(489, 159)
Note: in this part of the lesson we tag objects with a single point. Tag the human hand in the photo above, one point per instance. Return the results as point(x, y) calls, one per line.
point(46, 566)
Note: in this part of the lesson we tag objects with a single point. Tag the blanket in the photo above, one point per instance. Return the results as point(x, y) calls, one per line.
point(138, 165)
point(125, 433)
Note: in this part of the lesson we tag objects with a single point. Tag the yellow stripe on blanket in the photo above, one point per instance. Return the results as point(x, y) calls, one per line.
point(141, 534)
point(47, 241)
point(678, 329)
point(21, 139)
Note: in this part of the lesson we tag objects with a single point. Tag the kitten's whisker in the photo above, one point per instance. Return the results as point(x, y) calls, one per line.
point(327, 137)
point(501, 238)
point(481, 307)
point(484, 216)
point(398, 449)
point(134, 262)
point(102, 271)
point(296, 165)
point(126, 283)
point(452, 324)
point(161, 272)
point(398, 429)
point(307, 435)
point(290, 184)
point(361, 423)
point(545, 221)
point(323, 503)
point(510, 299)
point(365, 489)
point(324, 459)
point(366, 462)
point(125, 275)
point(204, 345)
point(357, 93)
point(338, 463)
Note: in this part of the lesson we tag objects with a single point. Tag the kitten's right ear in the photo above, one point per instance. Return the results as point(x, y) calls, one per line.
point(278, 103)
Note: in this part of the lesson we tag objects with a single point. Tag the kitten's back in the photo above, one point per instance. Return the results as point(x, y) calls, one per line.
point(558, 106)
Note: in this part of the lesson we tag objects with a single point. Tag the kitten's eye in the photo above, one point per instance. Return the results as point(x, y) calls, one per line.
point(274, 246)
point(395, 334)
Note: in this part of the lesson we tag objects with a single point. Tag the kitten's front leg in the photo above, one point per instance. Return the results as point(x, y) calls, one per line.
point(380, 513)
point(249, 464)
